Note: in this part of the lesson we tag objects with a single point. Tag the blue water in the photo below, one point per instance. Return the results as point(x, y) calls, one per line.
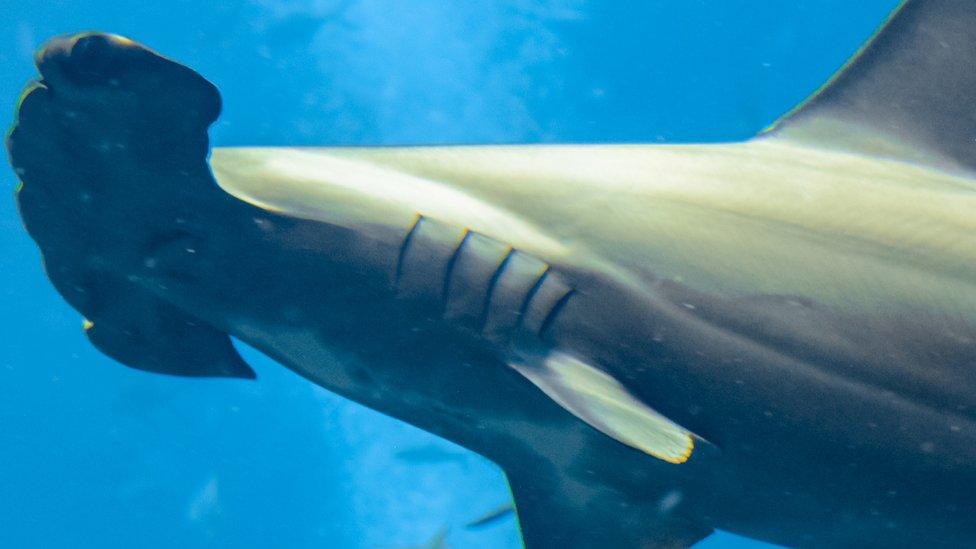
point(93, 454)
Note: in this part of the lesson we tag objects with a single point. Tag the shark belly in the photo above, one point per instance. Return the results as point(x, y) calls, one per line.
point(446, 313)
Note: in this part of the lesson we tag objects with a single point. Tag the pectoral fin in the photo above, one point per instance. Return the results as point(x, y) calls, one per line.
point(606, 405)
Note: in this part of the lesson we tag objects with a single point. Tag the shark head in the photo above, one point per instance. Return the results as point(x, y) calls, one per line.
point(112, 244)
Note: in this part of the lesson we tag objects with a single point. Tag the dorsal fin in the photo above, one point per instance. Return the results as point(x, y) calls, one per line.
point(909, 94)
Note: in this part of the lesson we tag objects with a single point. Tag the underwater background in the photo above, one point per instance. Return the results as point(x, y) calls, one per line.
point(93, 454)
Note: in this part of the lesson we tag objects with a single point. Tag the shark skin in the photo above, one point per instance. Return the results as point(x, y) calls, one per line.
point(775, 338)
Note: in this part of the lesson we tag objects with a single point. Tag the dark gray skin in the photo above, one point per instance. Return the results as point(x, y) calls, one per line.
point(820, 431)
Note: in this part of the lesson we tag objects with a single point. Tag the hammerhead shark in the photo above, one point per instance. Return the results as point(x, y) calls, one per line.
point(775, 338)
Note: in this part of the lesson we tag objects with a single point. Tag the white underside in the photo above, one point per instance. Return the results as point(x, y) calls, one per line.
point(761, 217)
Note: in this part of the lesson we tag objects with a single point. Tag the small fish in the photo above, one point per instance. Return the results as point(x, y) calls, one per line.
point(491, 517)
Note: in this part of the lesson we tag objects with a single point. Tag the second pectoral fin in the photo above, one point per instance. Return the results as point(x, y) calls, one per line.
point(603, 403)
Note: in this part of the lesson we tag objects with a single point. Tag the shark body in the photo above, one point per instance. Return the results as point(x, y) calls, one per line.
point(775, 338)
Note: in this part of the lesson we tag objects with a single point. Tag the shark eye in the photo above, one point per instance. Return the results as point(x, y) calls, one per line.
point(167, 251)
